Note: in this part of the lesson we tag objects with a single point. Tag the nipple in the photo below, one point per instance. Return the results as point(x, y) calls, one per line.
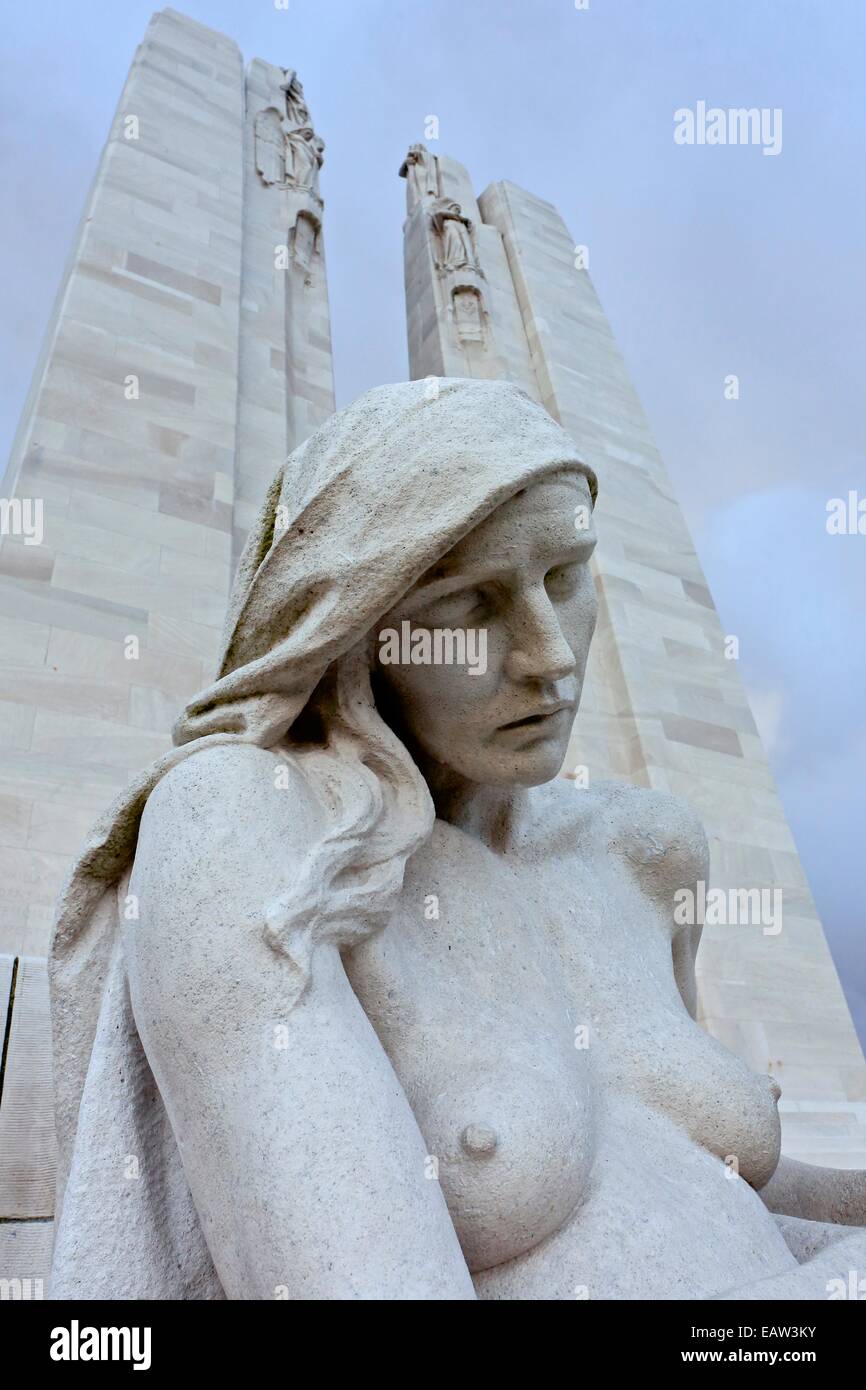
point(775, 1088)
point(479, 1141)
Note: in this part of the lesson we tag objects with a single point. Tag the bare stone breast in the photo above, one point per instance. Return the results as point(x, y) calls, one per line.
point(513, 1150)
point(605, 889)
point(615, 946)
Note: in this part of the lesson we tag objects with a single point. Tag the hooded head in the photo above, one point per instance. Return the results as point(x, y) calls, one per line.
point(355, 517)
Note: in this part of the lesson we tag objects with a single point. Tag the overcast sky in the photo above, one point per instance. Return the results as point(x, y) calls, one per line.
point(708, 260)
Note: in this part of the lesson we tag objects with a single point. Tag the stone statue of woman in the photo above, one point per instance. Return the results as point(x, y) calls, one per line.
point(420, 169)
point(455, 235)
point(305, 153)
point(319, 976)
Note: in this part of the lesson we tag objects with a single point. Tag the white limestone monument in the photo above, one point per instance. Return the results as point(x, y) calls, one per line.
point(330, 838)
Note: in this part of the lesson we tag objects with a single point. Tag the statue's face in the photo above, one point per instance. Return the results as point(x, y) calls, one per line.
point(519, 589)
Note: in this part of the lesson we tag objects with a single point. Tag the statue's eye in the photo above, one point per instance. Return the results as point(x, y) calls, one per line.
point(460, 609)
point(562, 581)
point(473, 603)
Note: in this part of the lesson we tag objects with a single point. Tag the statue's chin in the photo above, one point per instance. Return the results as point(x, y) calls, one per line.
point(539, 761)
point(528, 769)
point(538, 778)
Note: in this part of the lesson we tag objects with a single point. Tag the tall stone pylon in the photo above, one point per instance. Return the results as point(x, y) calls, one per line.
point(496, 286)
point(188, 353)
point(285, 374)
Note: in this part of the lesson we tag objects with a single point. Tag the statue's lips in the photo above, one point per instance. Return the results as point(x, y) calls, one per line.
point(546, 718)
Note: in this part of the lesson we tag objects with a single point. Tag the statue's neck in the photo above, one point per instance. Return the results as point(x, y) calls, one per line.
point(492, 814)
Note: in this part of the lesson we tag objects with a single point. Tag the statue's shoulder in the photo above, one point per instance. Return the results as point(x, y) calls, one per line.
point(239, 789)
point(658, 835)
point(224, 835)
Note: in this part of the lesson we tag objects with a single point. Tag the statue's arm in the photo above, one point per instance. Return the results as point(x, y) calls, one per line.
point(685, 863)
point(303, 1156)
point(817, 1194)
point(666, 847)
